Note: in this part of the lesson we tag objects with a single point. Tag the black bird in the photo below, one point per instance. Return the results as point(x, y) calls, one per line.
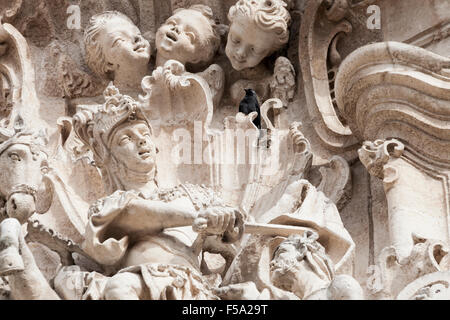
point(250, 104)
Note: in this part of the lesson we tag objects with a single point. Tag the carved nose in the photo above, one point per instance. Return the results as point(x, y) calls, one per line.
point(240, 53)
point(142, 142)
point(20, 206)
point(137, 39)
point(175, 28)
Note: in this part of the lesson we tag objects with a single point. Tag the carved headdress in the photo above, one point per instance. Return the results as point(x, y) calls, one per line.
point(96, 127)
point(36, 140)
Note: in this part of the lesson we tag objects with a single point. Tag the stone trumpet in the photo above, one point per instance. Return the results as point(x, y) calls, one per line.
point(10, 259)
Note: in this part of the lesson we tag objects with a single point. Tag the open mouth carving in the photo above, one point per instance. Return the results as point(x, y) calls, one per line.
point(144, 153)
point(172, 36)
point(139, 47)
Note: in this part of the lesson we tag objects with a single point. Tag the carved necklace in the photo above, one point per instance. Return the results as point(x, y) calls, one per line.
point(200, 196)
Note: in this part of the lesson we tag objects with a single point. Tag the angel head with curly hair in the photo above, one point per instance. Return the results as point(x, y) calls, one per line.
point(189, 36)
point(258, 29)
point(115, 49)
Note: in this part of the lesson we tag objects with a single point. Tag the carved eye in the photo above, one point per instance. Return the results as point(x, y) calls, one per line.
point(14, 157)
point(124, 140)
point(117, 41)
point(191, 36)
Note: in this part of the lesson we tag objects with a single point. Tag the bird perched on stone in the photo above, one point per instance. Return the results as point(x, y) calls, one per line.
point(250, 104)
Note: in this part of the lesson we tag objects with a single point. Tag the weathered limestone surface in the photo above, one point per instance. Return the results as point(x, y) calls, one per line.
point(129, 172)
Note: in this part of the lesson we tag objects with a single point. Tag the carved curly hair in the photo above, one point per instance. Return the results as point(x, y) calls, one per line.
point(268, 15)
point(211, 42)
point(95, 58)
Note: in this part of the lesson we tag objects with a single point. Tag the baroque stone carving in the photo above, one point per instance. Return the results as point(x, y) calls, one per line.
point(128, 172)
point(116, 49)
point(258, 28)
point(421, 156)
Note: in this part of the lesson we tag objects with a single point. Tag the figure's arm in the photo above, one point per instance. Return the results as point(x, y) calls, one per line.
point(153, 216)
point(30, 284)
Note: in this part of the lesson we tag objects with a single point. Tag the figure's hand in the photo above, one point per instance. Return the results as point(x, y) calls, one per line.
point(240, 291)
point(224, 221)
point(215, 220)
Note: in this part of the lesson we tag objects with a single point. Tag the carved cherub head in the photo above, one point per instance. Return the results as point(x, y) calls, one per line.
point(258, 29)
point(189, 36)
point(115, 45)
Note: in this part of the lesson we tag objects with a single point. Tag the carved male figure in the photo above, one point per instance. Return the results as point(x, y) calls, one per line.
point(301, 266)
point(142, 231)
point(116, 50)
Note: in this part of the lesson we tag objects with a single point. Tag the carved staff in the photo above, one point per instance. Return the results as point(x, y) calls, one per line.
point(259, 229)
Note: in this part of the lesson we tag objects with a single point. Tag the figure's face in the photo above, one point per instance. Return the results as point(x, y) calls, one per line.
point(284, 267)
point(179, 38)
point(247, 44)
point(123, 45)
point(133, 147)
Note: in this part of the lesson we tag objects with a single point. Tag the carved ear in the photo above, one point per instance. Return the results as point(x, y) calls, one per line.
point(109, 67)
point(44, 196)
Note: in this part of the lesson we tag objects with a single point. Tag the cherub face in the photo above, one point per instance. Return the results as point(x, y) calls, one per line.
point(180, 37)
point(132, 146)
point(247, 44)
point(123, 44)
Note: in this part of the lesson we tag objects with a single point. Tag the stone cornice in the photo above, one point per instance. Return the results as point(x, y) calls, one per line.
point(394, 90)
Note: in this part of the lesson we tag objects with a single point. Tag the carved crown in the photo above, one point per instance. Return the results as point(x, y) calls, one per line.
point(95, 125)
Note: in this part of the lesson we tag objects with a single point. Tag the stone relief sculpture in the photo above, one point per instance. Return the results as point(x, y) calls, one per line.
point(134, 229)
point(23, 160)
point(189, 36)
point(257, 29)
point(297, 267)
point(192, 36)
point(266, 25)
point(160, 189)
point(116, 49)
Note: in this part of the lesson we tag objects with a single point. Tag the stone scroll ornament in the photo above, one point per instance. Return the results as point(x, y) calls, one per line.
point(179, 106)
point(17, 87)
point(325, 24)
point(395, 97)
